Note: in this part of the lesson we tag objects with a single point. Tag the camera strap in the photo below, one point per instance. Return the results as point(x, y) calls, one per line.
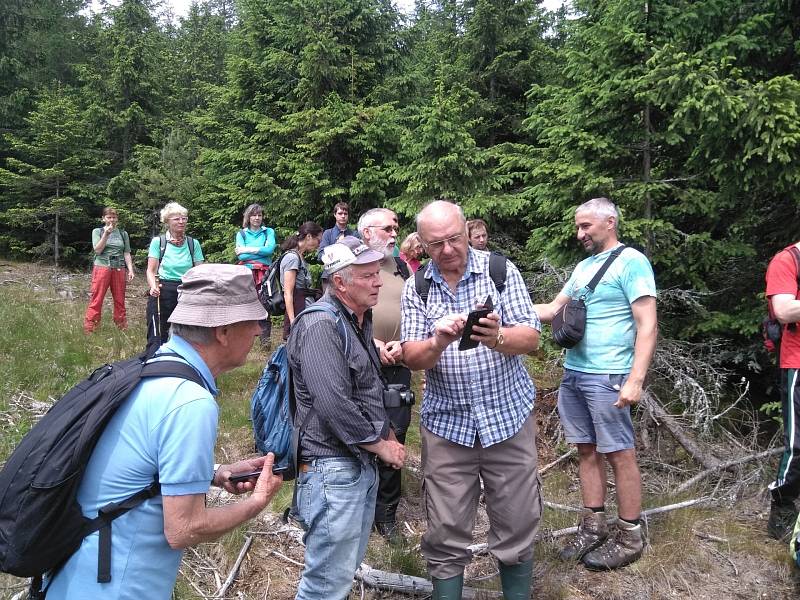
point(366, 347)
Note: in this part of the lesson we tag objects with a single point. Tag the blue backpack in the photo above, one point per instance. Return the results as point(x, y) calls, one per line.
point(272, 406)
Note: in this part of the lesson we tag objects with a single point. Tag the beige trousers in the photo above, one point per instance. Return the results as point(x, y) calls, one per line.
point(451, 490)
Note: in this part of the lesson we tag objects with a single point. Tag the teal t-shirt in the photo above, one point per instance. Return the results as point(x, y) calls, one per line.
point(607, 345)
point(176, 259)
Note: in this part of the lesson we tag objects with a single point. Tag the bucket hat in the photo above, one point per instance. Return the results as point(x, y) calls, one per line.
point(212, 295)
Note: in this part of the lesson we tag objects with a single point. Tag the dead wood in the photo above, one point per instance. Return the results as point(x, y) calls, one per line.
point(711, 538)
point(726, 465)
point(683, 437)
point(408, 584)
point(476, 549)
point(561, 458)
point(232, 575)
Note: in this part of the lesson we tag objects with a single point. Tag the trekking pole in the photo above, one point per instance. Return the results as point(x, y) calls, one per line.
point(158, 310)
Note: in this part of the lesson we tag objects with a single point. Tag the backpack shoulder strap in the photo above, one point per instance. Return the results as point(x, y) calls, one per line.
point(162, 246)
point(497, 270)
point(172, 368)
point(337, 317)
point(106, 514)
point(402, 267)
point(190, 241)
point(795, 252)
point(422, 284)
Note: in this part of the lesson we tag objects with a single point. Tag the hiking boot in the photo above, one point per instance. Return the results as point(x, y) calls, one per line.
point(620, 549)
point(592, 531)
point(782, 517)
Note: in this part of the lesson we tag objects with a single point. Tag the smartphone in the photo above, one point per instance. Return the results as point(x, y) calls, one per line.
point(467, 343)
point(239, 477)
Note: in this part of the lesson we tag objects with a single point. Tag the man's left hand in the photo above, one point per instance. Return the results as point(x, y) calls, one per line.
point(630, 393)
point(487, 330)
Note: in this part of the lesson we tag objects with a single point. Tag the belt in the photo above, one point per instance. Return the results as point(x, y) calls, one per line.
point(307, 467)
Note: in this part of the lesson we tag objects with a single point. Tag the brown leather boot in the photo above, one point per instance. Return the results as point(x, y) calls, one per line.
point(592, 531)
point(620, 549)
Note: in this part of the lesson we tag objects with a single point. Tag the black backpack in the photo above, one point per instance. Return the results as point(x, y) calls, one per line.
point(497, 271)
point(270, 292)
point(41, 523)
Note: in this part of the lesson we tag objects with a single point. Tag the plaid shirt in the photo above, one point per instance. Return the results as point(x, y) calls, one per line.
point(476, 391)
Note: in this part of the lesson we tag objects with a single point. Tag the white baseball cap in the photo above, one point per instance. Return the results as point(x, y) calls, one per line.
point(347, 251)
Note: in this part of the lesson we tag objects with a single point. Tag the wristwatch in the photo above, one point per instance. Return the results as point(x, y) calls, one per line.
point(500, 339)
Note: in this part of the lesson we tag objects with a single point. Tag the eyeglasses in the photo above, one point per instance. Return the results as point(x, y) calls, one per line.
point(179, 218)
point(386, 228)
point(439, 244)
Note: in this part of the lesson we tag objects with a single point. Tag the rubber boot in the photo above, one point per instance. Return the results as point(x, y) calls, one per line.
point(516, 580)
point(447, 589)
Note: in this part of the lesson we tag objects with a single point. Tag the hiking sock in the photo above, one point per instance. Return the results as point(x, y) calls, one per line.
point(631, 522)
point(596, 509)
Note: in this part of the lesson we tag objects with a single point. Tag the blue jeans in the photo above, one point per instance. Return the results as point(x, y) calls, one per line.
point(336, 504)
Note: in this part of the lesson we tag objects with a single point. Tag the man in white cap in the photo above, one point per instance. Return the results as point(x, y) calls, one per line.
point(166, 431)
point(340, 399)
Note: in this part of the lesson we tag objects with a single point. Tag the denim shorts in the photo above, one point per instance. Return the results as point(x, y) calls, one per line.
point(587, 411)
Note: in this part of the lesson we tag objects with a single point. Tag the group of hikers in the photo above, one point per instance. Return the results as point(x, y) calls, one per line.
point(465, 318)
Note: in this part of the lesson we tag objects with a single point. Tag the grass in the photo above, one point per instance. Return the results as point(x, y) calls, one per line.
point(43, 352)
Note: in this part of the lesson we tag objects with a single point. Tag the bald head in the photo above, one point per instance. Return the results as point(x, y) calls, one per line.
point(442, 229)
point(440, 211)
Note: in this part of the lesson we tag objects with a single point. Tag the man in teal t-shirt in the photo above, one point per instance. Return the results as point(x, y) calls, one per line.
point(603, 377)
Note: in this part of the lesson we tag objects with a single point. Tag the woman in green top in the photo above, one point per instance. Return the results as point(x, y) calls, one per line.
point(113, 268)
point(170, 255)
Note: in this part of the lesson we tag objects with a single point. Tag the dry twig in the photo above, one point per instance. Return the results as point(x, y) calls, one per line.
point(726, 465)
point(232, 575)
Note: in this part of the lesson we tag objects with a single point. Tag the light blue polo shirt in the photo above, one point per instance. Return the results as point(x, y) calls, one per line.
point(607, 345)
point(166, 428)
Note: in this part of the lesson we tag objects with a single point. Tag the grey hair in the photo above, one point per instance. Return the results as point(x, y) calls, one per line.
point(173, 208)
point(600, 207)
point(439, 204)
point(196, 334)
point(368, 218)
point(346, 274)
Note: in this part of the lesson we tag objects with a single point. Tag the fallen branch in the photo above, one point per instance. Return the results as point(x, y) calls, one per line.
point(658, 413)
point(232, 575)
point(726, 465)
point(408, 584)
point(561, 458)
point(551, 535)
point(711, 538)
point(564, 507)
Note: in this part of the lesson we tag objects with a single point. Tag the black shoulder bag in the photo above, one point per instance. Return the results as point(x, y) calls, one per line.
point(569, 323)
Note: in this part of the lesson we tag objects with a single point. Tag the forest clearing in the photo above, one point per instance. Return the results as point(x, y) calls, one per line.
point(714, 547)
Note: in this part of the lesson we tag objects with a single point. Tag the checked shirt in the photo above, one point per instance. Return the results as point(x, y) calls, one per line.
point(476, 391)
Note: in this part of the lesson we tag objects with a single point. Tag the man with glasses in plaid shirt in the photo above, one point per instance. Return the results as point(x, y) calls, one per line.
point(477, 419)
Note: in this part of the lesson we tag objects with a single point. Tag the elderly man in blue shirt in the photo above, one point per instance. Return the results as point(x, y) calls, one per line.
point(166, 430)
point(477, 418)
